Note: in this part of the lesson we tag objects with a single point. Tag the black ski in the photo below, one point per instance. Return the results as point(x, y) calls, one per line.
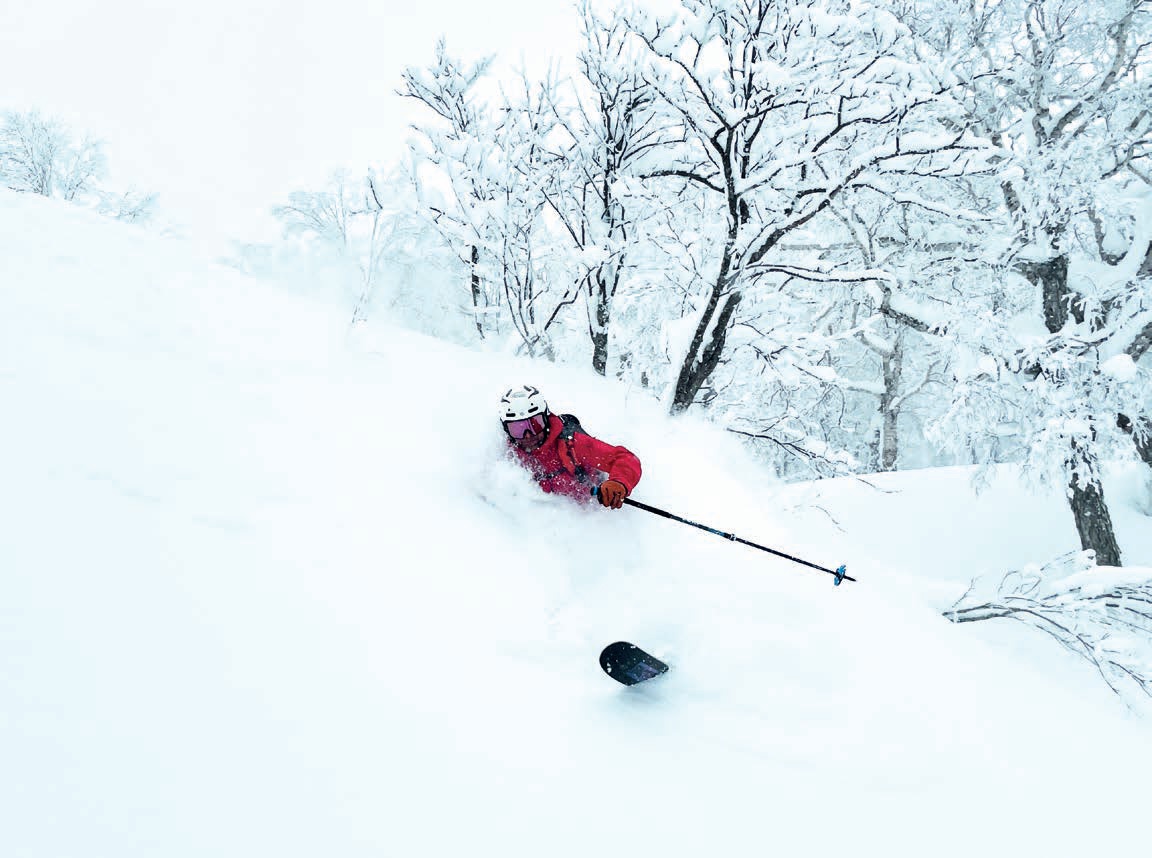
point(629, 664)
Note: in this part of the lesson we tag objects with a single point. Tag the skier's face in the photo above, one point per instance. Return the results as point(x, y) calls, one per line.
point(530, 433)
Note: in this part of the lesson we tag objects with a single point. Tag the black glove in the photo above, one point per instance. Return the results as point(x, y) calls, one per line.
point(612, 493)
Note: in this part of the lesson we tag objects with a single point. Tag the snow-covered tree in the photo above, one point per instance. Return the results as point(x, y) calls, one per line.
point(608, 129)
point(530, 262)
point(519, 182)
point(40, 155)
point(786, 107)
point(451, 170)
point(1063, 88)
point(344, 221)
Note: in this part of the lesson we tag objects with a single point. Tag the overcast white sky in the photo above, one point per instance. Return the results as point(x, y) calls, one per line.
point(223, 106)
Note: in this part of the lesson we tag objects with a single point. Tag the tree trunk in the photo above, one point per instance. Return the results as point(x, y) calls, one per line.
point(607, 277)
point(694, 372)
point(1086, 496)
point(1051, 276)
point(599, 331)
point(890, 407)
point(476, 290)
point(701, 359)
point(1093, 522)
point(1142, 439)
point(1141, 429)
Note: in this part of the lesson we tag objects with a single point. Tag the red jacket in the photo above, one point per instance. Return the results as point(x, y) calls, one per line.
point(572, 467)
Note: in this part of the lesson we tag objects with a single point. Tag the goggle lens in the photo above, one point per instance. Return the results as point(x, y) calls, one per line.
point(529, 426)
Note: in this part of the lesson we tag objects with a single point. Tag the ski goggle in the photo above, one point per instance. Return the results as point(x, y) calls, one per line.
point(529, 426)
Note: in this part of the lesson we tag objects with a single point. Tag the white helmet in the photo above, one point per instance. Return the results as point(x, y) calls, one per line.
point(522, 402)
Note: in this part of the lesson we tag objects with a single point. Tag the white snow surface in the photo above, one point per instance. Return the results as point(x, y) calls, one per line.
point(269, 588)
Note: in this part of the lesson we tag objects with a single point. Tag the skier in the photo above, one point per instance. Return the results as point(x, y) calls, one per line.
point(563, 458)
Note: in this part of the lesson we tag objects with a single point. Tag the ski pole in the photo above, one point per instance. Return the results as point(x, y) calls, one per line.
point(840, 572)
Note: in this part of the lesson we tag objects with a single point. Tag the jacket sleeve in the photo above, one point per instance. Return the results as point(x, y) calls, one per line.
point(619, 463)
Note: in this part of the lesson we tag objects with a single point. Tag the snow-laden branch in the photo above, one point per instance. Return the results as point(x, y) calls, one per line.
point(828, 375)
point(823, 273)
point(954, 213)
point(1102, 614)
point(689, 175)
point(824, 460)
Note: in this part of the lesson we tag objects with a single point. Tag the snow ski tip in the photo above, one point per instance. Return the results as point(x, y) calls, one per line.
point(628, 664)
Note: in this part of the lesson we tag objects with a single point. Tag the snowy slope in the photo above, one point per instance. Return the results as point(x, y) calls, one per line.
point(267, 588)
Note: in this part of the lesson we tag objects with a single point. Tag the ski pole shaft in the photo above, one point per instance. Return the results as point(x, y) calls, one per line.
point(839, 573)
